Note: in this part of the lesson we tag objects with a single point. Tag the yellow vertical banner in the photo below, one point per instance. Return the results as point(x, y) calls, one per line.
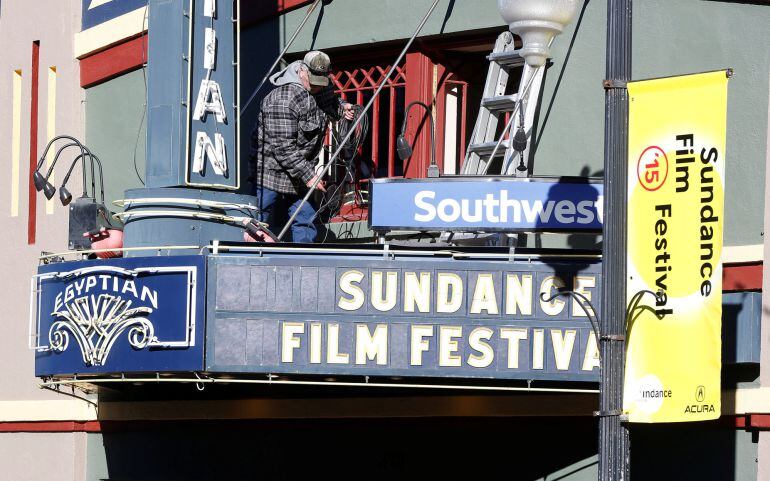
point(676, 178)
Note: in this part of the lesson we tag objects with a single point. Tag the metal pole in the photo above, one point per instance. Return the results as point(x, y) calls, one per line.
point(614, 443)
point(358, 120)
point(280, 56)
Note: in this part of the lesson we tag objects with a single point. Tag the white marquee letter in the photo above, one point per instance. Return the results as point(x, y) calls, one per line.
point(348, 285)
point(289, 340)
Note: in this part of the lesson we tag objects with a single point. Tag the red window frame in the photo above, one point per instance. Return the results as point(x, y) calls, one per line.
point(354, 82)
point(422, 79)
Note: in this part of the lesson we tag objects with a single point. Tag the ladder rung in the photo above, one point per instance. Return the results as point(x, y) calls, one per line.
point(503, 102)
point(487, 147)
point(510, 58)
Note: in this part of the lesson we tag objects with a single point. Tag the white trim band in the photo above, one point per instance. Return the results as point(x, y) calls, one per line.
point(111, 32)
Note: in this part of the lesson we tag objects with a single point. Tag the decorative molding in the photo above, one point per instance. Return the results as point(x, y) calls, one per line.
point(746, 401)
point(23, 411)
point(51, 427)
point(743, 254)
point(96, 323)
point(742, 277)
point(111, 32)
point(113, 62)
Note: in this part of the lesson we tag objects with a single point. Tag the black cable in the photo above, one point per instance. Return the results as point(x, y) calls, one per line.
point(144, 76)
point(333, 199)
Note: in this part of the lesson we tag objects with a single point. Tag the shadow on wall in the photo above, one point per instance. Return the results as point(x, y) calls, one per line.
point(525, 449)
point(536, 134)
point(260, 45)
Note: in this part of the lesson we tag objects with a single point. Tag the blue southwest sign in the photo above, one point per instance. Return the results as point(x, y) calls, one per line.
point(416, 317)
point(488, 205)
point(124, 315)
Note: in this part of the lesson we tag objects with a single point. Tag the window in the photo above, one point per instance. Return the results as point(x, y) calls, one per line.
point(449, 80)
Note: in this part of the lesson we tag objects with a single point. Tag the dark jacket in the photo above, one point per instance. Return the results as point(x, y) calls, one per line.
point(289, 135)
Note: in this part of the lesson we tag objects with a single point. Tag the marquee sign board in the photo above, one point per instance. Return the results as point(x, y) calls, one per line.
point(123, 315)
point(415, 317)
point(213, 98)
point(488, 205)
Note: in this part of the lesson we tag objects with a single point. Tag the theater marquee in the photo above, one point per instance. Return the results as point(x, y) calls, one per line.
point(414, 317)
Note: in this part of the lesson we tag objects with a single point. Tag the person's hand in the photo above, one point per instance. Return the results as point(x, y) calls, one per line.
point(348, 112)
point(321, 185)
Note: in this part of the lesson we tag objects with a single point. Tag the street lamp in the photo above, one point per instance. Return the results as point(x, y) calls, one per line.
point(537, 22)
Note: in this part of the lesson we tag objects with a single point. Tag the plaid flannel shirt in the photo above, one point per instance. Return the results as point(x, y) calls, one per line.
point(289, 135)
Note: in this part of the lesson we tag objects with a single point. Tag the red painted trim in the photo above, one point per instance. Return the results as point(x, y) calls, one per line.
point(740, 422)
point(117, 60)
point(51, 427)
point(441, 89)
point(33, 119)
point(742, 277)
point(759, 422)
point(419, 87)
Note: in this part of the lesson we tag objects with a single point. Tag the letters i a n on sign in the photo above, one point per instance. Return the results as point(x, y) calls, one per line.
point(213, 65)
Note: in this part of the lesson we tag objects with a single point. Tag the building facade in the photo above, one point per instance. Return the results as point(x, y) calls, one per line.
point(81, 68)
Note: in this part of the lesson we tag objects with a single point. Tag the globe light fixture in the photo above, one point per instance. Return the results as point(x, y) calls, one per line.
point(537, 22)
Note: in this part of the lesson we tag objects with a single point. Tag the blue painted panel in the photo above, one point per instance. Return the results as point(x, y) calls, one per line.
point(167, 88)
point(224, 74)
point(100, 11)
point(494, 204)
point(123, 315)
point(741, 323)
point(262, 310)
point(176, 226)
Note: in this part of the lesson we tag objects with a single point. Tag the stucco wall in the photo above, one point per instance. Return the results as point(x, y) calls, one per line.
point(43, 456)
point(53, 23)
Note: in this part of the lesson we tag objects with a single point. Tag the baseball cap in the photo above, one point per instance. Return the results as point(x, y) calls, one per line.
point(318, 64)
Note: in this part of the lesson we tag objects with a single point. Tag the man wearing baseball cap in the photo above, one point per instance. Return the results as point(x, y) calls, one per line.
point(288, 138)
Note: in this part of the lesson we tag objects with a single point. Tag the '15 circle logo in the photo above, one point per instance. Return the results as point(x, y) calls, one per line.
point(652, 168)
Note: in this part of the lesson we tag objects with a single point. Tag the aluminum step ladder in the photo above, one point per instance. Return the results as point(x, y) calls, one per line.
point(494, 106)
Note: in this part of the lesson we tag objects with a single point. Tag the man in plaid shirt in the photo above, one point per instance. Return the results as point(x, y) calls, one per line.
point(289, 136)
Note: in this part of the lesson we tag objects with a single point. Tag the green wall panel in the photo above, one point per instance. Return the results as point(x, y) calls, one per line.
point(353, 22)
point(116, 129)
point(686, 36)
point(670, 38)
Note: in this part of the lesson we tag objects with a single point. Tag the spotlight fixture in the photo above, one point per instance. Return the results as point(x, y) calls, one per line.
point(403, 147)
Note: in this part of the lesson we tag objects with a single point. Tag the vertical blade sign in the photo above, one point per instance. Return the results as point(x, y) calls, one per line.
point(212, 133)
